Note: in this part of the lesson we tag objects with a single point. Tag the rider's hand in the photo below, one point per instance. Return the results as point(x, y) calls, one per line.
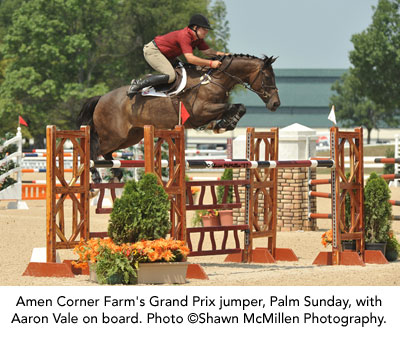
point(215, 64)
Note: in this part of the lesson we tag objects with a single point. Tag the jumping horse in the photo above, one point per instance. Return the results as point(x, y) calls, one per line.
point(117, 122)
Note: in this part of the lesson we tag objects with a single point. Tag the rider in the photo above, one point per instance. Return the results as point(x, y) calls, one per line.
point(165, 48)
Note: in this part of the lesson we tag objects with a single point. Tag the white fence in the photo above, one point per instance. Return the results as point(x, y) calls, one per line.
point(13, 192)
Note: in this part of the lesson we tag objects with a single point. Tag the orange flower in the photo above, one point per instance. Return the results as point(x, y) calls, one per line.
point(194, 189)
point(157, 250)
point(326, 238)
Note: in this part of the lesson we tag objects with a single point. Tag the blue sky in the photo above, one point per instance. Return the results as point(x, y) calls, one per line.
point(303, 33)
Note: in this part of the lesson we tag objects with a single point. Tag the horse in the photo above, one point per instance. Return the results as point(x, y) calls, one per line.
point(117, 122)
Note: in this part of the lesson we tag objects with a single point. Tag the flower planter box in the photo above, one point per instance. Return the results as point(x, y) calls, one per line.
point(92, 273)
point(162, 273)
point(349, 245)
point(226, 217)
point(376, 246)
point(155, 273)
point(210, 221)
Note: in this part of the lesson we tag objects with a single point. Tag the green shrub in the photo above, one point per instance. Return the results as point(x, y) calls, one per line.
point(377, 209)
point(142, 212)
point(227, 175)
point(392, 249)
point(389, 168)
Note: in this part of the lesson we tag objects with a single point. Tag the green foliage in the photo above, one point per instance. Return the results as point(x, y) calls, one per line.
point(392, 248)
point(352, 107)
point(55, 54)
point(142, 212)
point(197, 217)
point(377, 209)
point(367, 93)
point(227, 175)
point(389, 168)
point(114, 268)
point(376, 56)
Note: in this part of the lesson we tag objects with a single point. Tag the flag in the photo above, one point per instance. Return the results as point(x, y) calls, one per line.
point(332, 116)
point(22, 121)
point(184, 114)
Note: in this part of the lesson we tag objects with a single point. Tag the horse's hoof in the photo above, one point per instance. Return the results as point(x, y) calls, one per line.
point(219, 131)
point(93, 193)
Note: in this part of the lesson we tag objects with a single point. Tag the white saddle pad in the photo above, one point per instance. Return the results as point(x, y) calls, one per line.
point(150, 91)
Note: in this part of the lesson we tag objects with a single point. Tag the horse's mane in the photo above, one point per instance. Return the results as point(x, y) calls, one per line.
point(264, 58)
point(242, 55)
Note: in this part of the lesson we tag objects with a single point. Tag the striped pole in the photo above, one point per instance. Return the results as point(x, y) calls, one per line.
point(319, 194)
point(239, 163)
point(42, 170)
point(320, 182)
point(122, 163)
point(390, 176)
point(387, 160)
point(319, 216)
point(393, 202)
point(70, 154)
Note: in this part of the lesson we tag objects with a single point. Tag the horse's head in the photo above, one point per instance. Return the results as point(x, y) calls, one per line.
point(257, 74)
point(262, 81)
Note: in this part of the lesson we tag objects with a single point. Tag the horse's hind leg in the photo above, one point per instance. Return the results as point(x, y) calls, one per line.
point(94, 154)
point(117, 173)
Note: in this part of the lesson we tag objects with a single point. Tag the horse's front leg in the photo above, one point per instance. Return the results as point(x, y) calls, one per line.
point(230, 118)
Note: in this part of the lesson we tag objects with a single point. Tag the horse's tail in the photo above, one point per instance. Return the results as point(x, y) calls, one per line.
point(85, 117)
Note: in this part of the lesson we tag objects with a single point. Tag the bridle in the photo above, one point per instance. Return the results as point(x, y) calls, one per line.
point(249, 86)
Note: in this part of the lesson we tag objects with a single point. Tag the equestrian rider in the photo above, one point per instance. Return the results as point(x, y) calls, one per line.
point(165, 48)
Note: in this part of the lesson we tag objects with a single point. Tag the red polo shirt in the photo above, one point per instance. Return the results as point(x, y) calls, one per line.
point(179, 42)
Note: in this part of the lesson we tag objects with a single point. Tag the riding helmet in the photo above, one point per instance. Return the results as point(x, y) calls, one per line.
point(200, 20)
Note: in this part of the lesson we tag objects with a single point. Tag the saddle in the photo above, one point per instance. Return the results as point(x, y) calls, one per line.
point(167, 90)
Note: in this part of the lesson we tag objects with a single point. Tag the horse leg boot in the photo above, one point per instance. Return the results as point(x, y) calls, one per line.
point(230, 118)
point(117, 173)
point(153, 80)
point(96, 178)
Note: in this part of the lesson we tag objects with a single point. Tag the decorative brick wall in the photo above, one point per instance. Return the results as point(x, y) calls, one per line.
point(292, 201)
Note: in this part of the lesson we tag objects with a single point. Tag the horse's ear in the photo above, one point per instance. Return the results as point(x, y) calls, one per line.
point(269, 60)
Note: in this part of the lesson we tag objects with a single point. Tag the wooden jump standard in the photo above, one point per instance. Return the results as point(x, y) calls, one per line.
point(261, 184)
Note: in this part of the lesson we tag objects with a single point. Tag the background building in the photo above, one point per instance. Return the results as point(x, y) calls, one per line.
point(304, 94)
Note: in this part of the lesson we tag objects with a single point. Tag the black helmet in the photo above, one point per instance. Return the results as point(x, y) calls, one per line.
point(199, 20)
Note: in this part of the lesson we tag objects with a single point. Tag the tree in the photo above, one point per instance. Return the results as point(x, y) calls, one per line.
point(353, 108)
point(376, 56)
point(53, 48)
point(58, 53)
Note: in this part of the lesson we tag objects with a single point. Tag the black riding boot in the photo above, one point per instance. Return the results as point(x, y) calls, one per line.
point(153, 80)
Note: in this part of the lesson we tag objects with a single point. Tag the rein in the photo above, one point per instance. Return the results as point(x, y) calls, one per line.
point(248, 86)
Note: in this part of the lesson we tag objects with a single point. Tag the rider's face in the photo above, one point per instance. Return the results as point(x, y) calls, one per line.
point(202, 32)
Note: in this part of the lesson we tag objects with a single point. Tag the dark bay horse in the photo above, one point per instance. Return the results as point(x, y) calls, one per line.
point(117, 122)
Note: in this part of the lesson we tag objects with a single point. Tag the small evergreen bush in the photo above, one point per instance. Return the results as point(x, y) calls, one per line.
point(377, 209)
point(389, 168)
point(227, 175)
point(392, 249)
point(142, 212)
